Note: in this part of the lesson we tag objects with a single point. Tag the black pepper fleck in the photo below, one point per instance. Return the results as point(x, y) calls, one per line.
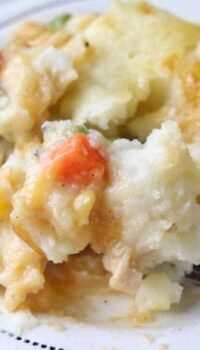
point(87, 44)
point(36, 153)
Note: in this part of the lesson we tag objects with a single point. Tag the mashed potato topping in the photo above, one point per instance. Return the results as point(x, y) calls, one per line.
point(153, 192)
point(43, 74)
point(99, 153)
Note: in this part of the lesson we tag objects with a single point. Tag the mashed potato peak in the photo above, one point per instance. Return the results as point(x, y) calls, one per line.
point(130, 76)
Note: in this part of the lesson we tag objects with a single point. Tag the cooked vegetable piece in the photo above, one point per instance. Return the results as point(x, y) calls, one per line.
point(82, 129)
point(58, 22)
point(77, 160)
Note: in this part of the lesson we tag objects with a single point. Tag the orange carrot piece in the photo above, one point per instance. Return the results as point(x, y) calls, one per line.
point(76, 160)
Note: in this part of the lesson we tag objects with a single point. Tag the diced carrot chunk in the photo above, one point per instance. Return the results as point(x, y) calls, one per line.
point(76, 160)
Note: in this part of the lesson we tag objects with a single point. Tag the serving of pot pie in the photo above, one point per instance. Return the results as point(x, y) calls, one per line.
point(100, 156)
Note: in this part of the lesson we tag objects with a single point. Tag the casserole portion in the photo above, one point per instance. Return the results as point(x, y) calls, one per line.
point(99, 158)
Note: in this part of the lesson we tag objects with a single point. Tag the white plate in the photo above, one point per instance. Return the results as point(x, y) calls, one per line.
point(178, 329)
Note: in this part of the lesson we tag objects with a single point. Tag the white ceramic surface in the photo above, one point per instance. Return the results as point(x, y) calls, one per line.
point(179, 329)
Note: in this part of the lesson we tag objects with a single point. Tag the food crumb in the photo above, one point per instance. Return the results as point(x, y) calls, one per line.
point(149, 339)
point(164, 347)
point(56, 327)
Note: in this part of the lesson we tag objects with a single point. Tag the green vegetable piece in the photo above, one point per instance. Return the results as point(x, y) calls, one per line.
point(58, 22)
point(82, 129)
